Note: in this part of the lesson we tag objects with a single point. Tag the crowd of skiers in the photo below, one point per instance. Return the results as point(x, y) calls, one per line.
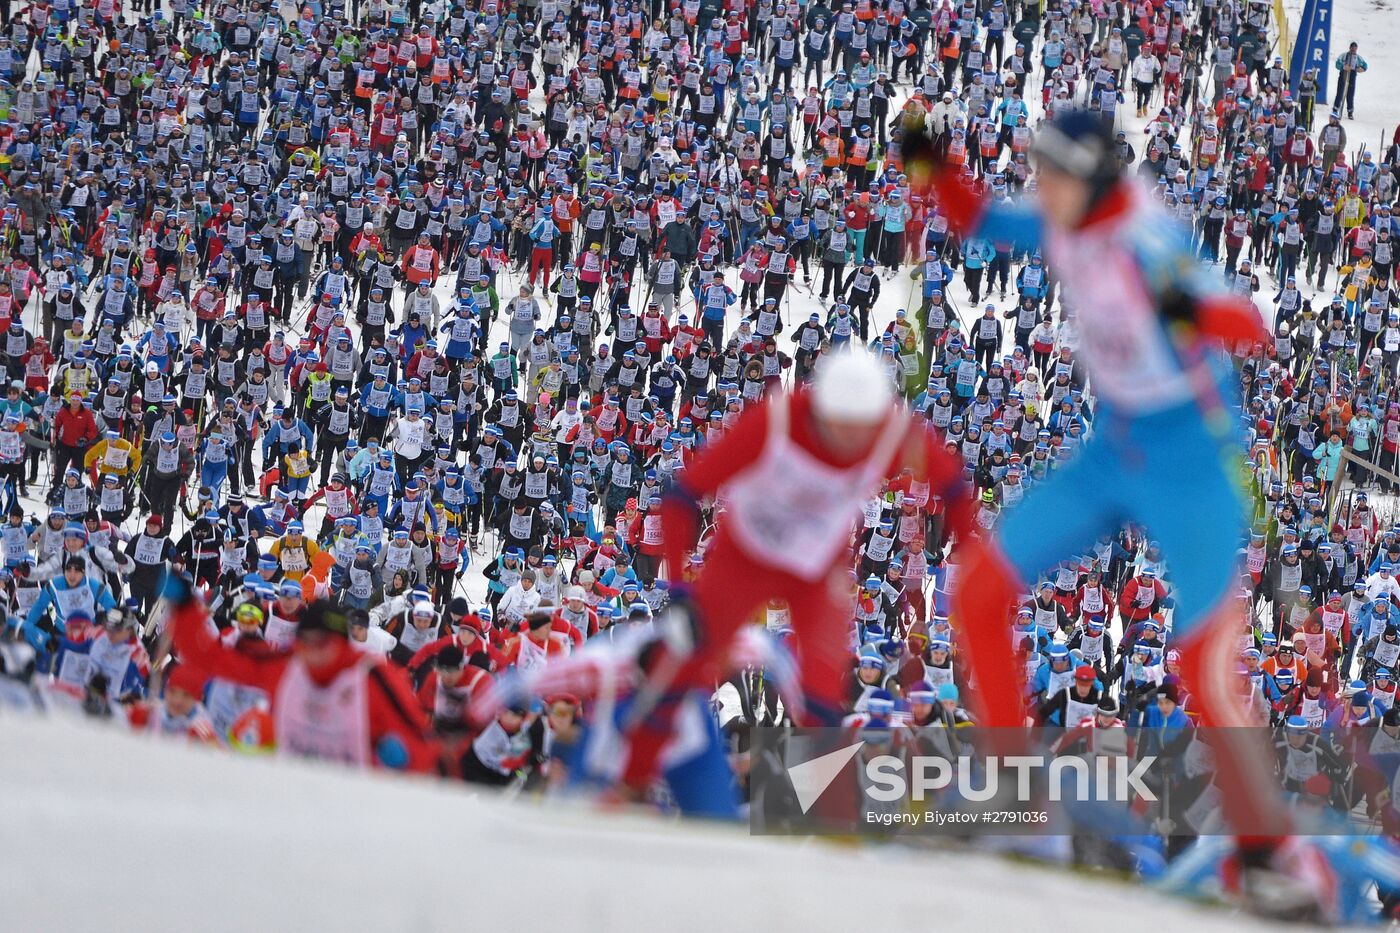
point(315, 310)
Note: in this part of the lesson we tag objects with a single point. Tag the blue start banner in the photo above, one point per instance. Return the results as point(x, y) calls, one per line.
point(1314, 42)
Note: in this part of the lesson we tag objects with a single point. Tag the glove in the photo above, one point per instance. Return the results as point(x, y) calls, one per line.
point(392, 753)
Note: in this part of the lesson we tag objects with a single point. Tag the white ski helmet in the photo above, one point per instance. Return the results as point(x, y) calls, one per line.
point(852, 386)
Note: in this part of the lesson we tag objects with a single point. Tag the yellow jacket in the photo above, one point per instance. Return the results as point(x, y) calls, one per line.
point(117, 457)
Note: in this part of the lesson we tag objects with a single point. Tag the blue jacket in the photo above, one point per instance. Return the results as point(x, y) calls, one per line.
point(55, 595)
point(380, 406)
point(1168, 729)
point(280, 435)
point(977, 253)
point(1329, 457)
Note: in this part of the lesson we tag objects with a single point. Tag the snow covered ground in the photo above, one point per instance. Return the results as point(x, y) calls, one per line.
point(107, 831)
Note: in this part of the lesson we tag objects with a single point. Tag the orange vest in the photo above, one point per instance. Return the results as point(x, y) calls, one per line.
point(834, 147)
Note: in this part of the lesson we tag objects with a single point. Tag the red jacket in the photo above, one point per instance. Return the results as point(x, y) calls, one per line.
point(393, 710)
point(743, 444)
point(857, 215)
point(556, 644)
point(1099, 595)
point(1136, 592)
point(430, 651)
point(71, 428)
point(655, 322)
point(473, 684)
point(421, 264)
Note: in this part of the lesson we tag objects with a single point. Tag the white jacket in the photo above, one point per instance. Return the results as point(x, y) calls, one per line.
point(1378, 586)
point(943, 116)
point(518, 602)
point(1145, 68)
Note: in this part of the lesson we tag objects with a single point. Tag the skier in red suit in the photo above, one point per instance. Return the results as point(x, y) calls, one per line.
point(790, 478)
point(329, 700)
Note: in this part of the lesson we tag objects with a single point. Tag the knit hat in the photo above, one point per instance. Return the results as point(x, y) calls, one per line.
point(322, 616)
point(188, 678)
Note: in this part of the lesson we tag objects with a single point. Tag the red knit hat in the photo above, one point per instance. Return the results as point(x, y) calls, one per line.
point(188, 678)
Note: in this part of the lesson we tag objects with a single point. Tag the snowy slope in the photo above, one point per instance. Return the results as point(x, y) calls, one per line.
point(103, 830)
